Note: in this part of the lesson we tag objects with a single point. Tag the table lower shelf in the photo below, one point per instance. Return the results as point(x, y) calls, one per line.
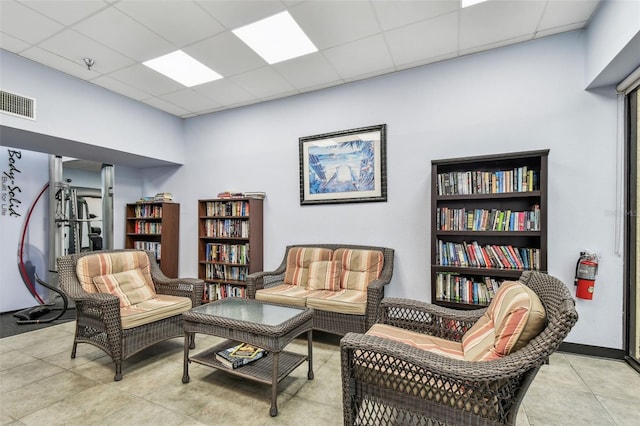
point(260, 370)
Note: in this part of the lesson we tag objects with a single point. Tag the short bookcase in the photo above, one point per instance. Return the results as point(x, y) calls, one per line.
point(155, 226)
point(488, 224)
point(230, 244)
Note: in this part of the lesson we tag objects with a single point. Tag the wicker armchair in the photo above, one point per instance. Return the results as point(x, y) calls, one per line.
point(98, 315)
point(333, 322)
point(388, 382)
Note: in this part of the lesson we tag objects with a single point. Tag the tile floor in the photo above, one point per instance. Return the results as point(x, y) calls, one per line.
point(41, 385)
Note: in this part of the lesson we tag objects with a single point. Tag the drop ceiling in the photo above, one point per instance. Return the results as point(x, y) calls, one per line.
point(356, 39)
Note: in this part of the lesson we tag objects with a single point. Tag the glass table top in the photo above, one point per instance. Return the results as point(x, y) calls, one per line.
point(249, 310)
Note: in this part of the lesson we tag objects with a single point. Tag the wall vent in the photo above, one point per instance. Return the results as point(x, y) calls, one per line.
point(19, 106)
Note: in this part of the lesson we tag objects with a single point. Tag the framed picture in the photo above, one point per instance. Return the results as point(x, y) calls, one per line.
point(344, 167)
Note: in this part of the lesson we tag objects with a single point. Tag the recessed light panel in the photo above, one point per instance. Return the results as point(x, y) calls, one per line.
point(183, 68)
point(467, 3)
point(276, 38)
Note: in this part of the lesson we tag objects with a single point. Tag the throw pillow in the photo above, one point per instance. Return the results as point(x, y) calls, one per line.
point(298, 261)
point(359, 267)
point(324, 275)
point(129, 286)
point(514, 316)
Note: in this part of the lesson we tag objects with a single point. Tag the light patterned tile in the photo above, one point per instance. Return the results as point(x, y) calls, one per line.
point(25, 374)
point(607, 377)
point(624, 412)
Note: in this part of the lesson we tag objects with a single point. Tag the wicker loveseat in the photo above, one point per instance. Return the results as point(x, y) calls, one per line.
point(343, 283)
point(394, 381)
point(124, 303)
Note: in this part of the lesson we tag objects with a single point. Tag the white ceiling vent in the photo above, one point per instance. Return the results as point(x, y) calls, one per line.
point(19, 106)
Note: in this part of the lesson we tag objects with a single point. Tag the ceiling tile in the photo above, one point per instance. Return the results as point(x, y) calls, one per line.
point(180, 22)
point(263, 82)
point(163, 105)
point(66, 12)
point(490, 22)
point(121, 33)
point(367, 56)
point(297, 71)
point(334, 23)
point(12, 44)
point(394, 14)
point(234, 14)
point(226, 54)
point(426, 39)
point(56, 62)
point(120, 87)
point(561, 13)
point(225, 92)
point(74, 46)
point(24, 23)
point(146, 79)
point(190, 100)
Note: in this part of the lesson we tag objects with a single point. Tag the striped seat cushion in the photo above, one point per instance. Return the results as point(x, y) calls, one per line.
point(97, 264)
point(434, 344)
point(343, 301)
point(287, 294)
point(359, 267)
point(298, 261)
point(160, 307)
point(514, 316)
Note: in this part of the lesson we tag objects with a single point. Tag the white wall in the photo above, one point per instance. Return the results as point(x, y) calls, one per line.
point(101, 119)
point(518, 98)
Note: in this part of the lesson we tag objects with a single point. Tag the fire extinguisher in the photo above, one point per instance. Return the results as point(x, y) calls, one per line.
point(586, 270)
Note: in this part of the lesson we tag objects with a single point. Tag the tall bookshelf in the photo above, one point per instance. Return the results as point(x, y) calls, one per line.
point(230, 244)
point(488, 224)
point(155, 226)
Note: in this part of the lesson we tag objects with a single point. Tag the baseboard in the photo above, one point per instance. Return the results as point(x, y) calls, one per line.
point(576, 348)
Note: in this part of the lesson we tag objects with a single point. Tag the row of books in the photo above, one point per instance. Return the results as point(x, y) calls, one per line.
point(148, 210)
point(451, 219)
point(227, 253)
point(144, 227)
point(520, 179)
point(472, 254)
point(229, 228)
point(217, 291)
point(240, 355)
point(456, 288)
point(225, 272)
point(227, 208)
point(246, 194)
point(149, 246)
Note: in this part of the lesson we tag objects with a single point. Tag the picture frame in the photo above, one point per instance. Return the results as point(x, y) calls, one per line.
point(348, 166)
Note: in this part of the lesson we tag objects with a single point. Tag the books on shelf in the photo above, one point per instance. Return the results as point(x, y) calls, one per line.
point(473, 255)
point(239, 355)
point(462, 219)
point(246, 194)
point(518, 179)
point(452, 287)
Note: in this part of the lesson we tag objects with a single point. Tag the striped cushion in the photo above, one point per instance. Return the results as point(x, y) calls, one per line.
point(298, 261)
point(343, 301)
point(129, 286)
point(425, 342)
point(160, 307)
point(359, 267)
point(514, 316)
point(324, 275)
point(97, 264)
point(287, 294)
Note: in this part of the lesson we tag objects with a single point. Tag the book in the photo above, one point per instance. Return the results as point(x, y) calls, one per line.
point(228, 359)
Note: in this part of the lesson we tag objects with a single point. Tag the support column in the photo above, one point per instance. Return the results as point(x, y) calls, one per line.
point(107, 206)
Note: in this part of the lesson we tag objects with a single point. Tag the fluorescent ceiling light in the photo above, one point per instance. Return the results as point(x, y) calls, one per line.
point(276, 38)
point(467, 3)
point(183, 68)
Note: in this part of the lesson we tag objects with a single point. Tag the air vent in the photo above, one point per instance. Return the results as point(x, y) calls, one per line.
point(19, 106)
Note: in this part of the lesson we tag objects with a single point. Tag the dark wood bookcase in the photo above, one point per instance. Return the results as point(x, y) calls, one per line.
point(155, 226)
point(486, 210)
point(230, 245)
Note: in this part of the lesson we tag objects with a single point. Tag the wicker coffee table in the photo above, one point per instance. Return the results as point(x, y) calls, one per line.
point(268, 326)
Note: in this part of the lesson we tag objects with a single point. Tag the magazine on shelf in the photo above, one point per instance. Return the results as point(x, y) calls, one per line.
point(239, 355)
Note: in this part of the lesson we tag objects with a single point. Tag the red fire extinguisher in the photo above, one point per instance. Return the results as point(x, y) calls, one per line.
point(586, 270)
